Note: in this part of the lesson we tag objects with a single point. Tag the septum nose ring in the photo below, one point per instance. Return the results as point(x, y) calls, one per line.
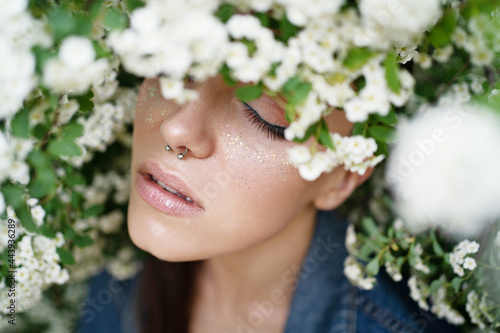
point(179, 156)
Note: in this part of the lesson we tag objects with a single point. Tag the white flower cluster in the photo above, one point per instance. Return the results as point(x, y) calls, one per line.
point(75, 68)
point(400, 22)
point(434, 166)
point(419, 291)
point(459, 258)
point(163, 40)
point(37, 267)
point(443, 309)
point(17, 63)
point(354, 152)
point(419, 264)
point(354, 272)
point(480, 26)
point(107, 121)
point(478, 309)
point(13, 153)
point(248, 68)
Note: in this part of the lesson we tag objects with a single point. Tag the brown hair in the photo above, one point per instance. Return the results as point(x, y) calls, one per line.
point(165, 294)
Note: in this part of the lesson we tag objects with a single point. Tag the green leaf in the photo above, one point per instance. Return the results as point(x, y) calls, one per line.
point(63, 23)
point(83, 241)
point(299, 94)
point(249, 93)
point(72, 131)
point(382, 133)
point(390, 119)
point(65, 256)
point(47, 232)
point(290, 113)
point(324, 137)
point(456, 282)
point(435, 244)
point(357, 58)
point(84, 101)
point(95, 8)
point(288, 30)
point(20, 123)
point(76, 199)
point(93, 211)
point(75, 178)
point(440, 35)
point(225, 12)
point(391, 72)
point(291, 84)
point(115, 19)
point(64, 148)
point(263, 18)
point(26, 218)
point(134, 4)
point(435, 285)
point(13, 195)
point(69, 233)
point(370, 226)
point(399, 262)
point(42, 55)
point(373, 266)
point(358, 128)
point(382, 148)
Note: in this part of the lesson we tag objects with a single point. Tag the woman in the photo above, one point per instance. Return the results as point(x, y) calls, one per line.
point(240, 242)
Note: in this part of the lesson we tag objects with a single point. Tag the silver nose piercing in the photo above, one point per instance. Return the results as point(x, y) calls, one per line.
point(181, 155)
point(168, 148)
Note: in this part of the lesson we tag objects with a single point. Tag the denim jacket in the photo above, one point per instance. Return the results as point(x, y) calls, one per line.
point(323, 299)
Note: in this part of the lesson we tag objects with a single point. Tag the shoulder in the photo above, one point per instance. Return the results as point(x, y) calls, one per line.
point(338, 306)
point(108, 306)
point(389, 308)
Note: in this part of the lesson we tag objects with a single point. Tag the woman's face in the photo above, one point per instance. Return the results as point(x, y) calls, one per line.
point(236, 187)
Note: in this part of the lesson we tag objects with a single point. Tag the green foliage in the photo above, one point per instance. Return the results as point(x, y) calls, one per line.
point(65, 256)
point(357, 57)
point(287, 29)
point(440, 35)
point(391, 72)
point(249, 93)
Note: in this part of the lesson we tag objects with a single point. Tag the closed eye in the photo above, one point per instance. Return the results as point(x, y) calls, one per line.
point(273, 131)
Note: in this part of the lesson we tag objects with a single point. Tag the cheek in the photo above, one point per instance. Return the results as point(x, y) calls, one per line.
point(263, 193)
point(151, 107)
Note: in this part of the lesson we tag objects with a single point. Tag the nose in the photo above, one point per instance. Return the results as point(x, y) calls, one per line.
point(191, 126)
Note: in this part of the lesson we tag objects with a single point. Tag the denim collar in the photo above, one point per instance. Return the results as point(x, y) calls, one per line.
point(324, 300)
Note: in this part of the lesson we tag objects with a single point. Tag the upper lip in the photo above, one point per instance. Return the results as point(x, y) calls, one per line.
point(169, 179)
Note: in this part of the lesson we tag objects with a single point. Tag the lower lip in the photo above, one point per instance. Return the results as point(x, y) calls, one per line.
point(163, 200)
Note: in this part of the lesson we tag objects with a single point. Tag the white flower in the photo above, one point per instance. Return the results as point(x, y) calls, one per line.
point(299, 155)
point(402, 21)
point(433, 168)
point(19, 173)
point(111, 223)
point(38, 214)
point(469, 263)
point(76, 52)
point(350, 238)
point(357, 110)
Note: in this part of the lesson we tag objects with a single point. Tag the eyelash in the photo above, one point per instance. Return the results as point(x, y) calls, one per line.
point(273, 131)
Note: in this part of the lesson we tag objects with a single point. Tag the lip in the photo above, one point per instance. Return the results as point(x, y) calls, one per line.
point(161, 199)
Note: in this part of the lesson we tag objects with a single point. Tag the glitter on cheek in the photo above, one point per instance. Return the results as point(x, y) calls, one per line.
point(251, 166)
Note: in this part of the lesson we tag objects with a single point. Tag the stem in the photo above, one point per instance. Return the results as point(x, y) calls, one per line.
point(453, 79)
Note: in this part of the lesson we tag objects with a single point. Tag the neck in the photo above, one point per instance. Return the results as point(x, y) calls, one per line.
point(263, 272)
